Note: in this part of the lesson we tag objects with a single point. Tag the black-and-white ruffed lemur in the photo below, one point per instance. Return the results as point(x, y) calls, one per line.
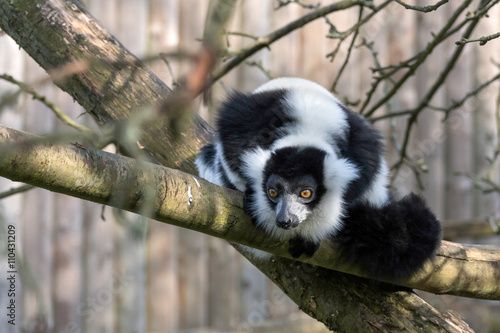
point(310, 169)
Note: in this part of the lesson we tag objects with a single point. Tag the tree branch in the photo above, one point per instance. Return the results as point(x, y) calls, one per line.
point(183, 200)
point(87, 62)
point(13, 191)
point(57, 111)
point(193, 203)
point(482, 40)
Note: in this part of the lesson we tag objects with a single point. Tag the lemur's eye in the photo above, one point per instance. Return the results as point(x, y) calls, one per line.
point(305, 194)
point(272, 193)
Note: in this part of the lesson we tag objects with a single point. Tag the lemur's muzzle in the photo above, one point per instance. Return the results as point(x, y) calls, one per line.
point(285, 217)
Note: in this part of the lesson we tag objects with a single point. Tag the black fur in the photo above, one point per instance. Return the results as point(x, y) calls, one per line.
point(207, 155)
point(364, 148)
point(390, 242)
point(292, 162)
point(247, 204)
point(225, 181)
point(299, 246)
point(249, 121)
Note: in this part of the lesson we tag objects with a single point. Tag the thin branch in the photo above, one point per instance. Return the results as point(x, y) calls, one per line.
point(428, 96)
point(446, 110)
point(459, 103)
point(164, 57)
point(417, 62)
point(260, 66)
point(240, 34)
point(483, 184)
point(177, 106)
point(54, 108)
point(13, 191)
point(266, 41)
point(335, 34)
point(482, 40)
point(333, 88)
point(470, 16)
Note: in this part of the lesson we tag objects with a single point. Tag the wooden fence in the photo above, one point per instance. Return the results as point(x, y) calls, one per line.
point(94, 269)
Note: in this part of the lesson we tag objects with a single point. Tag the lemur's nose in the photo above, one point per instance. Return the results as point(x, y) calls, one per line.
point(288, 223)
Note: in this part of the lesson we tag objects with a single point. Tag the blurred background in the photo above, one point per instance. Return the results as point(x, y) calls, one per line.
point(85, 267)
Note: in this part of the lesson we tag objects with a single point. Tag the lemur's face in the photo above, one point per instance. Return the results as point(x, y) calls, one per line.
point(292, 198)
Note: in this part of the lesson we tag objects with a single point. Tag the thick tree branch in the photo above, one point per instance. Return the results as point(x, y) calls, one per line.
point(181, 199)
point(193, 203)
point(86, 61)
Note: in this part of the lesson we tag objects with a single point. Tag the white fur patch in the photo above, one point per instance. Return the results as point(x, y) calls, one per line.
point(235, 179)
point(319, 114)
point(291, 83)
point(339, 172)
point(326, 219)
point(253, 168)
point(207, 172)
point(378, 193)
point(303, 140)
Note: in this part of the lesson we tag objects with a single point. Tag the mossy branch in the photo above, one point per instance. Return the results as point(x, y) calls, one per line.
point(187, 201)
point(184, 200)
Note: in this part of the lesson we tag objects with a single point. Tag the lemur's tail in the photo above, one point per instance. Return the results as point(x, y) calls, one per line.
point(391, 242)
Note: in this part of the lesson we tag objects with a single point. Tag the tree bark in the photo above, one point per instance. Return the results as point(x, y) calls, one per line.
point(113, 86)
point(184, 200)
point(342, 302)
point(87, 62)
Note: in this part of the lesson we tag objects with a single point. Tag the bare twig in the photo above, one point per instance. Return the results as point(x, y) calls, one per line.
point(472, 93)
point(264, 42)
point(54, 108)
point(260, 66)
point(482, 40)
point(20, 189)
point(428, 96)
point(348, 56)
point(446, 110)
point(483, 184)
point(240, 34)
point(176, 107)
point(164, 57)
point(415, 62)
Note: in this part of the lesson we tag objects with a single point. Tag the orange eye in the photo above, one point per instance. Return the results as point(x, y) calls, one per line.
point(306, 194)
point(273, 193)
